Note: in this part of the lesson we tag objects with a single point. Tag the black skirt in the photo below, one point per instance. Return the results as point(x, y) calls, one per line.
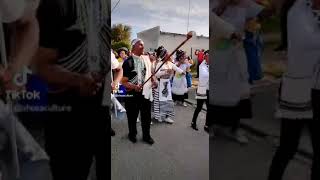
point(180, 97)
point(228, 115)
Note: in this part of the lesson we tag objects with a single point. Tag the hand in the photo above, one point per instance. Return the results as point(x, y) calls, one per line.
point(114, 85)
point(6, 80)
point(138, 88)
point(88, 86)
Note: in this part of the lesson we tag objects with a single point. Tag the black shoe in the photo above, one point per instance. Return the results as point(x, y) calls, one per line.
point(194, 126)
point(133, 139)
point(206, 129)
point(112, 132)
point(148, 140)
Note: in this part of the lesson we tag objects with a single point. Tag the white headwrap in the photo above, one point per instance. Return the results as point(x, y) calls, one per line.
point(135, 41)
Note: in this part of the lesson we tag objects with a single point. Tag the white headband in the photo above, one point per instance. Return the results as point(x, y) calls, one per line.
point(134, 42)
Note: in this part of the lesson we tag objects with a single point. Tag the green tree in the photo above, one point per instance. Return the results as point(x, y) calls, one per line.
point(118, 45)
point(121, 32)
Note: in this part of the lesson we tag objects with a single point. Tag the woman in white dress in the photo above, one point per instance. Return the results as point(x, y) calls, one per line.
point(299, 102)
point(230, 93)
point(163, 103)
point(179, 84)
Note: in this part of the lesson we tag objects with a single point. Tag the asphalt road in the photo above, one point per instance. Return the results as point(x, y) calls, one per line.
point(232, 161)
point(179, 152)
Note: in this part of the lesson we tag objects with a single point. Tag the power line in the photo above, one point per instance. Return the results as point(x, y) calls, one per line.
point(188, 17)
point(115, 6)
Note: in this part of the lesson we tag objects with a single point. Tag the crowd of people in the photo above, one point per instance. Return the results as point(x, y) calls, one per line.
point(170, 80)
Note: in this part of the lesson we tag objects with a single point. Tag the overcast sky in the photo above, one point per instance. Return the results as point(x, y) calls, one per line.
point(170, 15)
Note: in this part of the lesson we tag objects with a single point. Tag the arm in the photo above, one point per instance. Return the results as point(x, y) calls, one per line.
point(176, 69)
point(25, 42)
point(11, 10)
point(125, 79)
point(45, 60)
point(118, 75)
point(116, 67)
point(117, 78)
point(219, 27)
point(129, 86)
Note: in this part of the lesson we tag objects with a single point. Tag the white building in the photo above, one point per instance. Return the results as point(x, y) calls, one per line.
point(153, 38)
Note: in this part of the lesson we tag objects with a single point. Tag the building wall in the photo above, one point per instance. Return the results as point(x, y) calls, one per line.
point(171, 41)
point(150, 38)
point(153, 38)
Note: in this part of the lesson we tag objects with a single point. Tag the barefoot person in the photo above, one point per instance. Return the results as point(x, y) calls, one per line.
point(136, 70)
point(299, 102)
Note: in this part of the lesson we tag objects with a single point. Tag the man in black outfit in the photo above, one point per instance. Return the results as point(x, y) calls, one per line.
point(135, 70)
point(75, 74)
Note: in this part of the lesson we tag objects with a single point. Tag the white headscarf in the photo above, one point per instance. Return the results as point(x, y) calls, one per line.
point(135, 41)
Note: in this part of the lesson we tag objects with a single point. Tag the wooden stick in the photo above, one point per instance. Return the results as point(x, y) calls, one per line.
point(165, 59)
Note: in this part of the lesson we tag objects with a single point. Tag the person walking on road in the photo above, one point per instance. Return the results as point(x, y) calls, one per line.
point(179, 83)
point(230, 100)
point(118, 71)
point(202, 94)
point(200, 59)
point(299, 102)
point(189, 75)
point(136, 70)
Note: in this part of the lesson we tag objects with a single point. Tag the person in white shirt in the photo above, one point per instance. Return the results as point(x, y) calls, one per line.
point(118, 71)
point(21, 157)
point(179, 83)
point(202, 92)
point(163, 103)
point(299, 98)
point(18, 17)
point(230, 101)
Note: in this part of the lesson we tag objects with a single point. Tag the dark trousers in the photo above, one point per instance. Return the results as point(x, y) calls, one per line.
point(283, 21)
point(73, 138)
point(198, 109)
point(289, 140)
point(198, 65)
point(134, 105)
